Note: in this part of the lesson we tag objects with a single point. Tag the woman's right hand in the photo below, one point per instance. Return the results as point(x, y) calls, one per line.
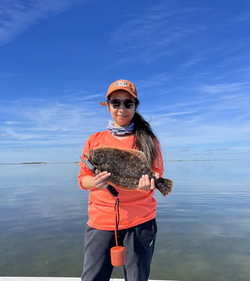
point(100, 180)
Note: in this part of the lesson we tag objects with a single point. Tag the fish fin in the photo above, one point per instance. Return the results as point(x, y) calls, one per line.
point(135, 152)
point(164, 185)
point(130, 150)
point(140, 154)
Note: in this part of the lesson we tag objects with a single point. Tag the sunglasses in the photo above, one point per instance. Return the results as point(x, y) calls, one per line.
point(127, 103)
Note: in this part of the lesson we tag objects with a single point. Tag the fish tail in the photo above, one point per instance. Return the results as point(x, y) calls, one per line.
point(164, 186)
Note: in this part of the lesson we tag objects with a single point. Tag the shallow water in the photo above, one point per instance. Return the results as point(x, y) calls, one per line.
point(203, 226)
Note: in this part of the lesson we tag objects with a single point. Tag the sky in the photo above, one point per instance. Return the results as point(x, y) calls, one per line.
point(189, 60)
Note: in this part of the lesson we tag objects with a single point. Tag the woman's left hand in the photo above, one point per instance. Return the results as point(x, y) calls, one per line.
point(146, 184)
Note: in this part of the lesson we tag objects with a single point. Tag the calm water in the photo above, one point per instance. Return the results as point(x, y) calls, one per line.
point(203, 226)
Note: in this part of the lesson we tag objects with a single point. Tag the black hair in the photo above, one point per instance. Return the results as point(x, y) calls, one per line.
point(145, 139)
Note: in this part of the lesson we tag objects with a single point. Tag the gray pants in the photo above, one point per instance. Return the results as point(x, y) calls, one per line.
point(139, 245)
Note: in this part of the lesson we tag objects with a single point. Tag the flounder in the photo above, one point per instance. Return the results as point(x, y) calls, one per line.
point(126, 167)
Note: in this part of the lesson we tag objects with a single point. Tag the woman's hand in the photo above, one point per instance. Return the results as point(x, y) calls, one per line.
point(146, 184)
point(100, 180)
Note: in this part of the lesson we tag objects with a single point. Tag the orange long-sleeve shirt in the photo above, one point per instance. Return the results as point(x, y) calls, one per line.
point(136, 207)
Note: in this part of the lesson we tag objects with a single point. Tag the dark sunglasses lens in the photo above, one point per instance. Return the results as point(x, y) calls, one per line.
point(128, 103)
point(115, 103)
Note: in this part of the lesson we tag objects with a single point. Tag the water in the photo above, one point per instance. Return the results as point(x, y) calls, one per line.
point(203, 226)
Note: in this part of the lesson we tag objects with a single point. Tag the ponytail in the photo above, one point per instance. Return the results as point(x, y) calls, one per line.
point(145, 140)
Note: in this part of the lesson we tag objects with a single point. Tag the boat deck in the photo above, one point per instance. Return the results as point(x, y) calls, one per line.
point(54, 279)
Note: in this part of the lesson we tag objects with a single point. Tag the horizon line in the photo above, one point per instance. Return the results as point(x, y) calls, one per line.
point(76, 162)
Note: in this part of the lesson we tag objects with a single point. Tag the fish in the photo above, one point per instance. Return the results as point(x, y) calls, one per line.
point(126, 167)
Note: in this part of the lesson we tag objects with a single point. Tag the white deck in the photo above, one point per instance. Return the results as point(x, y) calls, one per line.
point(54, 279)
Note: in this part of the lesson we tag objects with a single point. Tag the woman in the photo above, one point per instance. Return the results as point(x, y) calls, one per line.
point(137, 226)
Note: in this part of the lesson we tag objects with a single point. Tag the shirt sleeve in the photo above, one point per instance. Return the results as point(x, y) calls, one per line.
point(84, 171)
point(158, 166)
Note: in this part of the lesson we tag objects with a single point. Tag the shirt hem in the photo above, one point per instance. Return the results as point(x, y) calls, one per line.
point(111, 228)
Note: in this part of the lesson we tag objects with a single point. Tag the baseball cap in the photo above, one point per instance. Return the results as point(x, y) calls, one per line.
point(124, 85)
point(121, 84)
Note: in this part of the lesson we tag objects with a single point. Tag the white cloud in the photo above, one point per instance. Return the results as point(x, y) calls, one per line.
point(204, 119)
point(191, 62)
point(152, 34)
point(244, 17)
point(178, 113)
point(49, 123)
point(227, 87)
point(46, 124)
point(155, 80)
point(16, 16)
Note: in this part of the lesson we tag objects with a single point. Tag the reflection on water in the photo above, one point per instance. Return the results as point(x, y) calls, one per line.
point(203, 226)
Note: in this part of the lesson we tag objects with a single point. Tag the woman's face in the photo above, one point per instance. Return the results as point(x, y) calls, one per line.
point(122, 116)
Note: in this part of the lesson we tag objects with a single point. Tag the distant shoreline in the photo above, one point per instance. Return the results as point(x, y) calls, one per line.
point(38, 163)
point(193, 160)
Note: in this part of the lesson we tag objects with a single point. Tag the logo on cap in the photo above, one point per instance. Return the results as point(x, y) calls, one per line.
point(121, 83)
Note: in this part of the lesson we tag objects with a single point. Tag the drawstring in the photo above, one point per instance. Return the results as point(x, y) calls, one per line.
point(117, 220)
point(117, 253)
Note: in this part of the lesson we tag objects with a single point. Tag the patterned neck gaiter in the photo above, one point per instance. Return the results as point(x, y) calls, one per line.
point(120, 131)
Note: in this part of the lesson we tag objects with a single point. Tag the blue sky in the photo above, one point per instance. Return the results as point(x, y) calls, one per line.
point(190, 62)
